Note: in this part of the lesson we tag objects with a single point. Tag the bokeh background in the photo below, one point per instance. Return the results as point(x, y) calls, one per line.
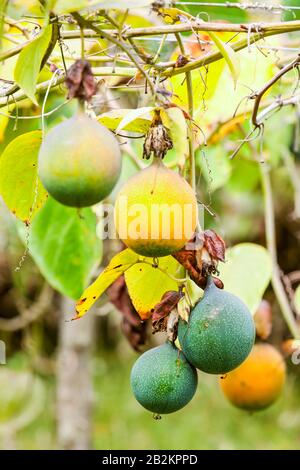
point(66, 384)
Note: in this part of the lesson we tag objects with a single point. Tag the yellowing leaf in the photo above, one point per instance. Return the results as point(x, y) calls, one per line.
point(204, 83)
point(117, 266)
point(229, 55)
point(29, 63)
point(3, 124)
point(20, 186)
point(131, 115)
point(147, 284)
point(112, 120)
point(247, 273)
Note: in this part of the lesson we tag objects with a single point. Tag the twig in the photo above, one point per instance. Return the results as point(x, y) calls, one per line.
point(15, 24)
point(278, 103)
point(258, 95)
point(28, 315)
point(189, 87)
point(263, 28)
point(118, 43)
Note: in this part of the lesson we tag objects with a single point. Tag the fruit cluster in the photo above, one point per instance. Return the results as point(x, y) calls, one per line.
point(79, 165)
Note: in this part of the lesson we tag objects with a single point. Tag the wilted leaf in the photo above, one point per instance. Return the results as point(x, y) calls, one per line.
point(20, 187)
point(113, 118)
point(297, 299)
point(29, 63)
point(247, 273)
point(80, 81)
point(201, 256)
point(214, 244)
point(65, 247)
point(263, 319)
point(163, 309)
point(132, 327)
point(157, 141)
point(117, 266)
point(147, 284)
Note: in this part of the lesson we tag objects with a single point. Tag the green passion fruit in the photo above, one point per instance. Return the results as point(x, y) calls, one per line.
point(79, 161)
point(162, 380)
point(220, 332)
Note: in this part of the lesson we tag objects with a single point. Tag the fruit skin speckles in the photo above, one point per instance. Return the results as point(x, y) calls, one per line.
point(162, 380)
point(258, 381)
point(79, 161)
point(220, 332)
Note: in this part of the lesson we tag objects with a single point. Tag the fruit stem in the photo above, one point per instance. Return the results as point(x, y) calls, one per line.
point(189, 87)
point(210, 282)
point(271, 245)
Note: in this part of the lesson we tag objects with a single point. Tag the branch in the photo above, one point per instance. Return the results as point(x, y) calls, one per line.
point(258, 95)
point(118, 43)
point(262, 28)
point(28, 315)
point(277, 104)
point(9, 98)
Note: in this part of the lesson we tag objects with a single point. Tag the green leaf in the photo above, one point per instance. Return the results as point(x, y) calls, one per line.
point(117, 266)
point(247, 273)
point(215, 166)
point(229, 55)
point(20, 186)
point(65, 247)
point(114, 118)
point(29, 63)
point(146, 284)
point(297, 299)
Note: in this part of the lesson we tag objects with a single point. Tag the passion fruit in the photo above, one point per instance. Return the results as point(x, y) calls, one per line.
point(258, 381)
point(79, 161)
point(220, 332)
point(156, 211)
point(162, 380)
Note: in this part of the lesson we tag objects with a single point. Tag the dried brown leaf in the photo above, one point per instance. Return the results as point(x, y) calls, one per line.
point(80, 81)
point(132, 327)
point(201, 260)
point(215, 245)
point(157, 140)
point(163, 309)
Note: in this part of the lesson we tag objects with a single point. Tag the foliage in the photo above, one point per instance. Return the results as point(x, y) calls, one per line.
point(224, 94)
